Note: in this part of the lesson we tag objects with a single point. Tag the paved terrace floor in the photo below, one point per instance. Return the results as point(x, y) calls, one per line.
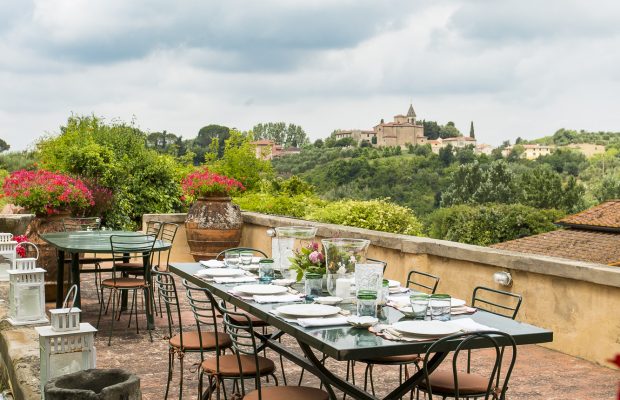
point(539, 373)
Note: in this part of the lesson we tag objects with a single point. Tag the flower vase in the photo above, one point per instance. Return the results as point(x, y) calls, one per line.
point(341, 255)
point(213, 224)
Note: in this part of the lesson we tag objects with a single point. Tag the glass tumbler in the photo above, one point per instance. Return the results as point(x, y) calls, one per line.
point(367, 303)
point(231, 259)
point(419, 305)
point(440, 305)
point(265, 270)
point(313, 286)
point(385, 292)
point(246, 257)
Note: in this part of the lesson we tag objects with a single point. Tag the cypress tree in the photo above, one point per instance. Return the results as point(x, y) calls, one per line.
point(471, 130)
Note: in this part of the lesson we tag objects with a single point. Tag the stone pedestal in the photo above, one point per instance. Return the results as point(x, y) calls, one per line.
point(94, 384)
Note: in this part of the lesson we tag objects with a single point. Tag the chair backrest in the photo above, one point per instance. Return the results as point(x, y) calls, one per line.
point(167, 291)
point(204, 310)
point(167, 233)
point(131, 246)
point(496, 341)
point(373, 260)
point(221, 254)
point(496, 301)
point(153, 228)
point(422, 281)
point(81, 224)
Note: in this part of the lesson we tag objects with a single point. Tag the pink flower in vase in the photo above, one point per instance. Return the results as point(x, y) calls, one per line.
point(315, 257)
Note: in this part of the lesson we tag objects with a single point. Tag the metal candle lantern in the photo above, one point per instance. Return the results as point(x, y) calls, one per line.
point(7, 250)
point(67, 345)
point(26, 263)
point(27, 296)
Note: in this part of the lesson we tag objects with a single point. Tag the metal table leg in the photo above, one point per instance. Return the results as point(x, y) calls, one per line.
point(60, 278)
point(75, 277)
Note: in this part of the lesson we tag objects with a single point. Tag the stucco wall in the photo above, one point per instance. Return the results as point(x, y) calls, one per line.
point(578, 301)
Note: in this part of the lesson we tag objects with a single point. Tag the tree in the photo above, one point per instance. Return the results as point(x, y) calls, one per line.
point(608, 189)
point(206, 135)
point(565, 161)
point(4, 146)
point(446, 155)
point(318, 143)
point(431, 129)
point(542, 188)
point(449, 130)
point(471, 130)
point(290, 135)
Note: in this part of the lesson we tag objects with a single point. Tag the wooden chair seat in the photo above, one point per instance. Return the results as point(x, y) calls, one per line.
point(229, 366)
point(191, 340)
point(288, 393)
point(442, 382)
point(124, 283)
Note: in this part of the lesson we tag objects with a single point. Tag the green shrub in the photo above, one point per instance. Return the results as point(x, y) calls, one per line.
point(379, 215)
point(492, 223)
point(279, 204)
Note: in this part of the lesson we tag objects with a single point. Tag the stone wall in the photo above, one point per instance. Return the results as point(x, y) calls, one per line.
point(578, 301)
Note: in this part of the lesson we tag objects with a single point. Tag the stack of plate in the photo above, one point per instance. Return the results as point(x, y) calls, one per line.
point(307, 310)
point(261, 290)
point(220, 273)
point(426, 329)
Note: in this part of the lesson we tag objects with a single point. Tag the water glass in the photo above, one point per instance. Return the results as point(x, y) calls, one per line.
point(440, 305)
point(265, 270)
point(385, 292)
point(367, 303)
point(313, 286)
point(246, 257)
point(419, 305)
point(231, 259)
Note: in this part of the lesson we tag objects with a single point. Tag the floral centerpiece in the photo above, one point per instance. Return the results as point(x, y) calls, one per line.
point(308, 259)
point(46, 193)
point(203, 183)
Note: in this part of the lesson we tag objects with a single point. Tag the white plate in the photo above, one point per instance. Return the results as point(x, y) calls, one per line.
point(283, 282)
point(308, 310)
point(362, 322)
point(260, 289)
point(212, 263)
point(393, 283)
point(330, 300)
point(456, 302)
point(426, 328)
point(221, 272)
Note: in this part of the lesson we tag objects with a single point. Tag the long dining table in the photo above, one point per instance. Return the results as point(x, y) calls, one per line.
point(97, 242)
point(345, 343)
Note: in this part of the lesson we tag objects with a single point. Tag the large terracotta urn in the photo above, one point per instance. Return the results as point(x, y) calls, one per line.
point(213, 224)
point(48, 259)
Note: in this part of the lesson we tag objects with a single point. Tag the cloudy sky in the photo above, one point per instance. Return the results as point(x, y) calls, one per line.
point(514, 67)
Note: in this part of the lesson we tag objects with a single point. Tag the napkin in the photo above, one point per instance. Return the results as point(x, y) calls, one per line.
point(202, 273)
point(212, 263)
point(240, 279)
point(469, 325)
point(316, 322)
point(283, 298)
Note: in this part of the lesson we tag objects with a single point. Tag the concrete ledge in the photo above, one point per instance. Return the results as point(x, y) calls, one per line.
point(552, 266)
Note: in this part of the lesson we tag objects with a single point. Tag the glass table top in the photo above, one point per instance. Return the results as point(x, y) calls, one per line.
point(91, 241)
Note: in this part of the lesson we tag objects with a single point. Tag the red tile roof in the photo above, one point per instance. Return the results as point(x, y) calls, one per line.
point(605, 216)
point(574, 244)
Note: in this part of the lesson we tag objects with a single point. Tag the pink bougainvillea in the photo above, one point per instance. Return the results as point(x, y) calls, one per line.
point(21, 251)
point(203, 182)
point(46, 193)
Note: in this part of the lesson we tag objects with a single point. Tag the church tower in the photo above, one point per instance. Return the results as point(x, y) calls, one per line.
point(411, 115)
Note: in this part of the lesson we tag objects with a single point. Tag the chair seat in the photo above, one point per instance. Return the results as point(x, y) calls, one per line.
point(256, 322)
point(124, 283)
point(402, 359)
point(288, 393)
point(229, 366)
point(130, 265)
point(442, 382)
point(191, 340)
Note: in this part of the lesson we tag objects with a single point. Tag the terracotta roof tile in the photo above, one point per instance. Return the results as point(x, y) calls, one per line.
point(605, 215)
point(575, 244)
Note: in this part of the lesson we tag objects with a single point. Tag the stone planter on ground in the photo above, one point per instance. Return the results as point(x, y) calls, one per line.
point(94, 384)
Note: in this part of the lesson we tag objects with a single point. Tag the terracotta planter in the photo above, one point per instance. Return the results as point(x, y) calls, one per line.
point(213, 224)
point(47, 258)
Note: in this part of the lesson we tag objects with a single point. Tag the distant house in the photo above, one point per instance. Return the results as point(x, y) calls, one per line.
point(592, 235)
point(484, 148)
point(459, 143)
point(268, 149)
point(531, 151)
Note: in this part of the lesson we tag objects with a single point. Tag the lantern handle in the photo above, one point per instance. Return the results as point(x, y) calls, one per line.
point(33, 245)
point(73, 289)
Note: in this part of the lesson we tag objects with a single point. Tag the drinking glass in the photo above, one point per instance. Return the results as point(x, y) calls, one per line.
point(313, 286)
point(265, 270)
point(385, 292)
point(246, 257)
point(440, 305)
point(367, 303)
point(419, 305)
point(231, 259)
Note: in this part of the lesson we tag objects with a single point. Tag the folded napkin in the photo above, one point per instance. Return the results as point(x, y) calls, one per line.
point(386, 332)
point(239, 279)
point(462, 310)
point(202, 273)
point(280, 298)
point(317, 322)
point(212, 263)
point(469, 325)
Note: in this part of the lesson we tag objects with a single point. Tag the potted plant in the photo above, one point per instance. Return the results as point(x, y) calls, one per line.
point(308, 259)
point(213, 222)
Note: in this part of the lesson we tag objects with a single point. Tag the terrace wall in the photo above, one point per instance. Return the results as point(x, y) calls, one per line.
point(578, 301)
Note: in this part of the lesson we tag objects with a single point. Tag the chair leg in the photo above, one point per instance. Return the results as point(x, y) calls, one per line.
point(147, 309)
point(113, 316)
point(170, 364)
point(101, 305)
point(181, 356)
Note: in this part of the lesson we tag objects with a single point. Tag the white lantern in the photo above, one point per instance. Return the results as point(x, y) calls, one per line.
point(7, 250)
point(27, 297)
point(67, 345)
point(26, 263)
point(66, 352)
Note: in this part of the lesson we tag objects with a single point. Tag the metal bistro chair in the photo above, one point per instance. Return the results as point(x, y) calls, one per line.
point(135, 246)
point(245, 363)
point(85, 225)
point(460, 385)
point(182, 341)
point(167, 233)
point(418, 281)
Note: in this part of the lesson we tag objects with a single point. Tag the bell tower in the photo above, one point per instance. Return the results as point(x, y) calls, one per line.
point(411, 115)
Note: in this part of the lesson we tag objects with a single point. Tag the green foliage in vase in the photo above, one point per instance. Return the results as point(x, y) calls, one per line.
point(308, 259)
point(492, 223)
